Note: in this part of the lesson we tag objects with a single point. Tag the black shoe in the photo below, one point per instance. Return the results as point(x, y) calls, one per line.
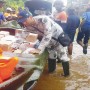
point(85, 49)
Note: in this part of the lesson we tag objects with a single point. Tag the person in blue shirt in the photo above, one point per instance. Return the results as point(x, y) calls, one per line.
point(73, 22)
point(2, 18)
point(2, 2)
point(84, 30)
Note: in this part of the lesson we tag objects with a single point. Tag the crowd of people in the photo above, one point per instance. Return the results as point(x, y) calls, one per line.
point(52, 28)
point(8, 15)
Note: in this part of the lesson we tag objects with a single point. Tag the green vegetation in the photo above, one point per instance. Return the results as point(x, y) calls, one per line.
point(42, 59)
point(14, 4)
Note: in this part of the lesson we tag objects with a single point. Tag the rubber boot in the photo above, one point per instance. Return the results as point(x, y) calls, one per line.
point(51, 65)
point(85, 49)
point(52, 60)
point(65, 68)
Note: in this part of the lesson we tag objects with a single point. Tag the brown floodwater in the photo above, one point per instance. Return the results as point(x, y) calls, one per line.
point(79, 78)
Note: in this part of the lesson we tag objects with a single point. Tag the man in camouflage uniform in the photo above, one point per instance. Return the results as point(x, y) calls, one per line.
point(46, 29)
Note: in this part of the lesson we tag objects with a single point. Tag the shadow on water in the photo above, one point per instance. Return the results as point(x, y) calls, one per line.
point(79, 78)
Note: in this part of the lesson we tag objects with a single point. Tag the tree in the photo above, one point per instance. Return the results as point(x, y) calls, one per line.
point(15, 3)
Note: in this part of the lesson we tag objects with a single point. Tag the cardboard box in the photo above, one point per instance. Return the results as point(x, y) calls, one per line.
point(1, 36)
point(5, 45)
point(9, 38)
point(18, 31)
point(5, 33)
point(18, 51)
point(24, 46)
point(32, 37)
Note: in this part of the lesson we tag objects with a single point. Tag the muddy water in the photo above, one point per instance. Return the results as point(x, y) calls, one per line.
point(79, 78)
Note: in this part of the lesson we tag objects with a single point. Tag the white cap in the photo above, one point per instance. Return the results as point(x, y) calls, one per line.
point(9, 9)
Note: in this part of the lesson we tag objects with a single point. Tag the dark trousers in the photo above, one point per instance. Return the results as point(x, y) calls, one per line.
point(84, 34)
